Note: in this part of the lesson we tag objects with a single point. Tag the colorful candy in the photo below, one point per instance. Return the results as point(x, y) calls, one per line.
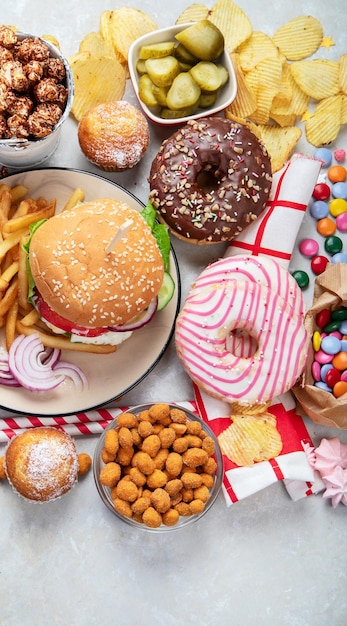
point(324, 155)
point(341, 222)
point(318, 264)
point(309, 247)
point(333, 245)
point(337, 174)
point(302, 278)
point(337, 206)
point(319, 209)
point(339, 190)
point(326, 226)
point(329, 366)
point(340, 155)
point(321, 191)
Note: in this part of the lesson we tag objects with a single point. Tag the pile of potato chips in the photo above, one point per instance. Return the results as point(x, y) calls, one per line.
point(277, 82)
point(100, 66)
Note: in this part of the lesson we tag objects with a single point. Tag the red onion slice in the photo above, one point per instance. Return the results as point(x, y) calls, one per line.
point(72, 371)
point(141, 321)
point(25, 364)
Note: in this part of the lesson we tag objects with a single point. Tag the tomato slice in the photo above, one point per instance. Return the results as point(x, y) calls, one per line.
point(62, 323)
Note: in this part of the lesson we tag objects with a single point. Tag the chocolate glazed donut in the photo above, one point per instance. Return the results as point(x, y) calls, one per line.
point(209, 180)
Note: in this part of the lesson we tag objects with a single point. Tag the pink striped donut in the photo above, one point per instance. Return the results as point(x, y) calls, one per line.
point(210, 316)
point(264, 271)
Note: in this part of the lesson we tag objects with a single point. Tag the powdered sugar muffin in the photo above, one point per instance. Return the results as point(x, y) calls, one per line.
point(41, 464)
point(114, 136)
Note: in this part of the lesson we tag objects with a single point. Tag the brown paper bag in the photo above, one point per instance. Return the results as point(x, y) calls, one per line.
point(322, 407)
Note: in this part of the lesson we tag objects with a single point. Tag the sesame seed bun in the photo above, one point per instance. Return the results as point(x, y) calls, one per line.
point(82, 283)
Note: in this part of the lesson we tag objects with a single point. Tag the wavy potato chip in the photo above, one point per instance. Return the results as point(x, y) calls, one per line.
point(95, 43)
point(245, 102)
point(250, 439)
point(343, 109)
point(125, 25)
point(299, 38)
point(258, 47)
point(232, 21)
point(318, 78)
point(264, 81)
point(343, 73)
point(92, 81)
point(279, 142)
point(324, 125)
point(194, 13)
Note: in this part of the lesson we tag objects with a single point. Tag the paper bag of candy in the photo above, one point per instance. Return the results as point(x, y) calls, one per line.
point(322, 391)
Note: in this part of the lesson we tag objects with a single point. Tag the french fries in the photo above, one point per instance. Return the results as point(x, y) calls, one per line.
point(17, 316)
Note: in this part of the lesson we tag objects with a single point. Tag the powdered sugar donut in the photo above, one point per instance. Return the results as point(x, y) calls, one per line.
point(221, 309)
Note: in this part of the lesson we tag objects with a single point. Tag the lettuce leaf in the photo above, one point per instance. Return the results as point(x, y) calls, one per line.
point(160, 232)
point(31, 284)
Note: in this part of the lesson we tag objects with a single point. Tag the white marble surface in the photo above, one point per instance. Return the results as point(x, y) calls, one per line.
point(265, 560)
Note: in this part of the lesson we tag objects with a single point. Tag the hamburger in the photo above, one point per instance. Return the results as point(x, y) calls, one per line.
point(82, 288)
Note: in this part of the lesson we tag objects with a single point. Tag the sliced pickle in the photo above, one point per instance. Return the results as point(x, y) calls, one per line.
point(183, 55)
point(169, 114)
point(183, 93)
point(185, 67)
point(146, 91)
point(157, 50)
point(203, 40)
point(163, 71)
point(160, 93)
point(207, 100)
point(141, 67)
point(206, 75)
point(223, 73)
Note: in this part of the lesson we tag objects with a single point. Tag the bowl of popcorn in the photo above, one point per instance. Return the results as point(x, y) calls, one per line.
point(158, 467)
point(182, 72)
point(36, 89)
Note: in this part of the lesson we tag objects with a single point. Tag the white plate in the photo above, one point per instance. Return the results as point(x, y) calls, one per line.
point(111, 375)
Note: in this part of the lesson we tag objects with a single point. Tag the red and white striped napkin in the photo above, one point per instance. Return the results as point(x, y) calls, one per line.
point(272, 235)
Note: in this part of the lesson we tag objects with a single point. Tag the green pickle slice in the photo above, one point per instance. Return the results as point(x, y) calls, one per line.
point(163, 71)
point(183, 93)
point(157, 50)
point(203, 40)
point(206, 75)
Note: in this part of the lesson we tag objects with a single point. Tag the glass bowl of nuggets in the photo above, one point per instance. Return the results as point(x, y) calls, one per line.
point(158, 467)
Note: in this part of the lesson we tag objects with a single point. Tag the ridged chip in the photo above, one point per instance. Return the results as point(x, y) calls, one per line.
point(92, 81)
point(318, 78)
point(245, 102)
point(258, 47)
point(250, 439)
point(324, 125)
point(194, 13)
point(264, 81)
point(95, 43)
point(279, 142)
point(343, 109)
point(124, 26)
point(232, 22)
point(343, 73)
point(299, 38)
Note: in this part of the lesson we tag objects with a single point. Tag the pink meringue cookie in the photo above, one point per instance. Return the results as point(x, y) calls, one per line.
point(310, 454)
point(336, 486)
point(330, 454)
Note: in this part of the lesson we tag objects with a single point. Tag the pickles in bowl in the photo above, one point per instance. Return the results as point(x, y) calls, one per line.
point(176, 79)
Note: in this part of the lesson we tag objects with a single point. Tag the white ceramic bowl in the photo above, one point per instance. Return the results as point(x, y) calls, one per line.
point(22, 154)
point(184, 521)
point(226, 94)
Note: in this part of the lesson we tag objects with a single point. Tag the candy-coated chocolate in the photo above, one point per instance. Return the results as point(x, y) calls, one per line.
point(324, 155)
point(340, 388)
point(339, 314)
point(318, 264)
point(333, 244)
point(316, 370)
point(340, 155)
point(326, 226)
point(321, 191)
point(319, 209)
point(344, 376)
point(332, 377)
point(302, 278)
point(343, 327)
point(337, 206)
point(340, 361)
point(323, 357)
point(331, 344)
point(337, 174)
point(309, 247)
point(339, 257)
point(339, 190)
point(332, 325)
point(336, 333)
point(323, 386)
point(316, 340)
point(324, 370)
point(341, 222)
point(344, 345)
point(323, 317)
